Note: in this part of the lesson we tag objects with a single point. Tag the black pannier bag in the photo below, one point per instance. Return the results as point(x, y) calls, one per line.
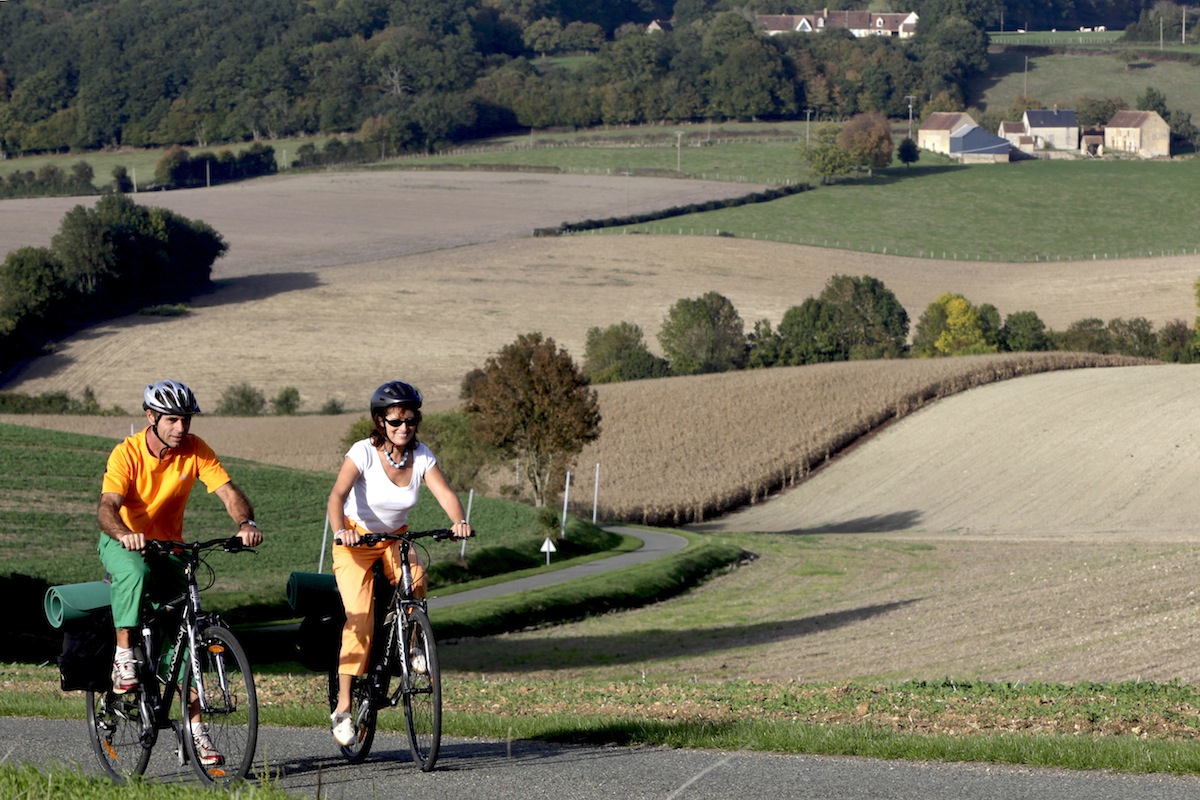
point(87, 655)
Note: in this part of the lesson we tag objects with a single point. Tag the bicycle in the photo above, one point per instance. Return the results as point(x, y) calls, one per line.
point(405, 619)
point(124, 727)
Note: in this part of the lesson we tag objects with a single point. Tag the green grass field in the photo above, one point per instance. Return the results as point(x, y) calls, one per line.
point(51, 485)
point(1060, 79)
point(1030, 211)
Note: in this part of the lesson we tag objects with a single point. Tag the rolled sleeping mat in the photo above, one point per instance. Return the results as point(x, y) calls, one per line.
point(74, 601)
point(309, 592)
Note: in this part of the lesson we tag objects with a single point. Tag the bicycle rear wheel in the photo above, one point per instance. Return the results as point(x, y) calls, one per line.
point(229, 711)
point(115, 728)
point(363, 710)
point(421, 689)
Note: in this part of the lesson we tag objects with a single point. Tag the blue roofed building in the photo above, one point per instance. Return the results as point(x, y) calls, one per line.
point(972, 144)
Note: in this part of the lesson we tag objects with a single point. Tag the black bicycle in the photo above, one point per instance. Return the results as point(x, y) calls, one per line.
point(221, 706)
point(402, 648)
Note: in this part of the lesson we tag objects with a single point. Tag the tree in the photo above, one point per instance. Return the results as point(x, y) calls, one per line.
point(542, 36)
point(535, 405)
point(1153, 100)
point(951, 326)
point(808, 334)
point(907, 152)
point(703, 335)
point(619, 353)
point(241, 400)
point(871, 321)
point(287, 402)
point(1095, 111)
point(826, 158)
point(867, 138)
point(1086, 336)
point(1023, 332)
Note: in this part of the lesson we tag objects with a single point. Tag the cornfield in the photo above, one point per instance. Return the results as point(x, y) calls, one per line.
point(680, 450)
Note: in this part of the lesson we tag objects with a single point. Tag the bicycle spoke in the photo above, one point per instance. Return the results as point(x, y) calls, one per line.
point(115, 725)
point(224, 690)
point(422, 690)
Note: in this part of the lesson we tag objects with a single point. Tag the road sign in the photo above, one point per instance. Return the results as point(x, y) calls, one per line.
point(548, 548)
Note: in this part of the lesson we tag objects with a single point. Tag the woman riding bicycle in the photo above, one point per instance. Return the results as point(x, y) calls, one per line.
point(376, 486)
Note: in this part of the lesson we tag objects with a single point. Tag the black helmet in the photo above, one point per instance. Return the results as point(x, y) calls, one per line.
point(394, 393)
point(170, 397)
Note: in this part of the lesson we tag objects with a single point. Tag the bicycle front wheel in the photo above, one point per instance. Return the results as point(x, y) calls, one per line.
point(363, 711)
point(115, 727)
point(421, 688)
point(221, 743)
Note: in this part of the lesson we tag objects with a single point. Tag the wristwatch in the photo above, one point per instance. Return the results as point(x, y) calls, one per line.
point(249, 522)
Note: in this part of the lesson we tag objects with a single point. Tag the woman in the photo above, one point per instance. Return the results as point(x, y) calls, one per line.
point(374, 490)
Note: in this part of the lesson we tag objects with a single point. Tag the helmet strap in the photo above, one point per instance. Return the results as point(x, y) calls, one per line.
point(158, 418)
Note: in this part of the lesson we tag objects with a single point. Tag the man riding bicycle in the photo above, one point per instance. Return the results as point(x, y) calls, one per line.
point(146, 486)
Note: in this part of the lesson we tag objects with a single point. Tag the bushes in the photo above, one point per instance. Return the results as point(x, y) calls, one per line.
point(104, 262)
point(178, 169)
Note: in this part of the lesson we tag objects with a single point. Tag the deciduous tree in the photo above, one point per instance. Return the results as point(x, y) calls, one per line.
point(705, 334)
point(619, 353)
point(868, 139)
point(535, 405)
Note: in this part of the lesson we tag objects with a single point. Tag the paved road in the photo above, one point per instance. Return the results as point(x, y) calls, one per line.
point(303, 762)
point(657, 545)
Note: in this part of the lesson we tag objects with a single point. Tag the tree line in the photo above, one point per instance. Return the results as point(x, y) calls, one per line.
point(411, 76)
point(103, 262)
point(858, 318)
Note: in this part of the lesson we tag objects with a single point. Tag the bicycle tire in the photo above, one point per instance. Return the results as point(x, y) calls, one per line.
point(115, 724)
point(421, 690)
point(363, 710)
point(231, 715)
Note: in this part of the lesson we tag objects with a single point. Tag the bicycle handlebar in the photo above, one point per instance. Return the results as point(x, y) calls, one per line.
point(230, 544)
point(438, 534)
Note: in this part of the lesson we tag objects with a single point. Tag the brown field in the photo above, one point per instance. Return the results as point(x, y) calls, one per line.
point(1059, 508)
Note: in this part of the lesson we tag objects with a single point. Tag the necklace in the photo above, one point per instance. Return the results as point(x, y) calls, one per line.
point(403, 461)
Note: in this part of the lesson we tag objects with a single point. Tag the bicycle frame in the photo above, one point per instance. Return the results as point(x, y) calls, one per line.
point(217, 699)
point(190, 612)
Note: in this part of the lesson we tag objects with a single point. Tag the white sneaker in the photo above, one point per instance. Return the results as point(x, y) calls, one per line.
point(209, 755)
point(124, 675)
point(343, 729)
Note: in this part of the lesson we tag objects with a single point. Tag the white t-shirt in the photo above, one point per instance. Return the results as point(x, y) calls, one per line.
point(374, 502)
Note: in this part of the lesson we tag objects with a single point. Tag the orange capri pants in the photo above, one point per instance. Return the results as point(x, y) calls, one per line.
point(352, 569)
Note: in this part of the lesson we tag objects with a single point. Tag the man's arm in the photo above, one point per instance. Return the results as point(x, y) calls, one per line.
point(109, 517)
point(241, 512)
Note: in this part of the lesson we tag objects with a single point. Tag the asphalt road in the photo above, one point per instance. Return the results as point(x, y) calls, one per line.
point(303, 761)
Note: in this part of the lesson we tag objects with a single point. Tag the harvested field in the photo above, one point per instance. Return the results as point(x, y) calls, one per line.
point(326, 272)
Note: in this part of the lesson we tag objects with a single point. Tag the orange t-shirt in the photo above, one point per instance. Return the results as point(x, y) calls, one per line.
point(156, 491)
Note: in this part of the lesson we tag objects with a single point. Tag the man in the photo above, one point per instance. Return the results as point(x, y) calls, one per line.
point(145, 491)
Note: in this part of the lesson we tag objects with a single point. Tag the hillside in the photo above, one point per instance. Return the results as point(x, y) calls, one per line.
point(320, 267)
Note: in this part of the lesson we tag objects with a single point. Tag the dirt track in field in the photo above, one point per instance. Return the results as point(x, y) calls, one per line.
point(1062, 507)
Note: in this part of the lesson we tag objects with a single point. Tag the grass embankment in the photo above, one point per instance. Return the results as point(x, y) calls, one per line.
point(25, 781)
point(51, 484)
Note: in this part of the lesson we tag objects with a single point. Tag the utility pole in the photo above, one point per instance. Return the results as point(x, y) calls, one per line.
point(1025, 91)
point(807, 116)
point(910, 98)
point(678, 145)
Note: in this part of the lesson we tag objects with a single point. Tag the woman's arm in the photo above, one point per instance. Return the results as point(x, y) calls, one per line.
point(435, 479)
point(346, 478)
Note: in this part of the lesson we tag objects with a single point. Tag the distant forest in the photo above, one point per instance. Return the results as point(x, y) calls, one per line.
point(414, 75)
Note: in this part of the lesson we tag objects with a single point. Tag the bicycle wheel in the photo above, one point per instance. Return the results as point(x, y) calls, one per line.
point(228, 713)
point(421, 690)
point(115, 727)
point(363, 711)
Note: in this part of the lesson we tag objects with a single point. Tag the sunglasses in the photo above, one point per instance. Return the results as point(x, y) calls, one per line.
point(396, 423)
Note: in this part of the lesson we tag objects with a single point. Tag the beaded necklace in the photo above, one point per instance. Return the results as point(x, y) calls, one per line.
point(403, 461)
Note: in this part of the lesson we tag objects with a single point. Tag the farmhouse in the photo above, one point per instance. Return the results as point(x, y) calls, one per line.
point(934, 133)
point(859, 23)
point(1016, 135)
point(1052, 129)
point(1142, 133)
